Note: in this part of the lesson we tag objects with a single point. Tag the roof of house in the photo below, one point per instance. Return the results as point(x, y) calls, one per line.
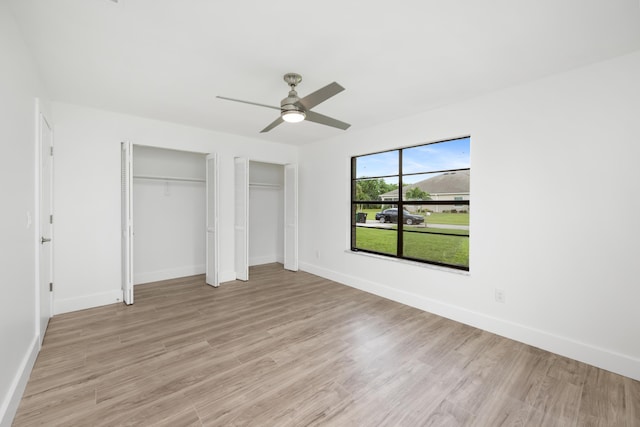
point(448, 182)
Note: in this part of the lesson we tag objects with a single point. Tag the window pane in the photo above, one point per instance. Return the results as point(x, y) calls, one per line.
point(442, 237)
point(376, 239)
point(374, 189)
point(376, 165)
point(437, 186)
point(431, 214)
point(440, 156)
point(449, 249)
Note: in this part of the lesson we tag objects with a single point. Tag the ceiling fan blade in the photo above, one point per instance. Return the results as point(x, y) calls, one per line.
point(273, 124)
point(248, 102)
point(320, 95)
point(312, 116)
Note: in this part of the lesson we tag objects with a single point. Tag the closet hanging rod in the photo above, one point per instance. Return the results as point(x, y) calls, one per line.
point(169, 178)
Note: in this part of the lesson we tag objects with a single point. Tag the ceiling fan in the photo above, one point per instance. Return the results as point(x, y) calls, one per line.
point(294, 109)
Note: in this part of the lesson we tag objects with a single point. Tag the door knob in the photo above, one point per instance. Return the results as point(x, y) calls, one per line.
point(44, 240)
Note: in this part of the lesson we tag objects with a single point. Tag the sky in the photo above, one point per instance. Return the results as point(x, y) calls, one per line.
point(452, 154)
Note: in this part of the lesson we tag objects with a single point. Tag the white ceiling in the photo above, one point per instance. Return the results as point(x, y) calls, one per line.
point(168, 59)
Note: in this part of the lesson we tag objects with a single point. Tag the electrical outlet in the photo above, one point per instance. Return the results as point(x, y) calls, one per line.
point(500, 296)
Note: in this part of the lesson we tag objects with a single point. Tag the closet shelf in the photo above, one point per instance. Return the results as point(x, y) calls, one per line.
point(264, 185)
point(169, 178)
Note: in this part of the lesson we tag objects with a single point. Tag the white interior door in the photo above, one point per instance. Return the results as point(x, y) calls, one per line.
point(241, 214)
point(46, 221)
point(291, 217)
point(212, 222)
point(127, 222)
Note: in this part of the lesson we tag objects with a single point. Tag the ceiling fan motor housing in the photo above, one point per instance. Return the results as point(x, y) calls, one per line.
point(291, 102)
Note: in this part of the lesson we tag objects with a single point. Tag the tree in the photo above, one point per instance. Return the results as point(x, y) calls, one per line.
point(360, 194)
point(416, 193)
point(386, 187)
point(371, 189)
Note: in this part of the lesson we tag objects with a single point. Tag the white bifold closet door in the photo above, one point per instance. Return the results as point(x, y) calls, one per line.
point(212, 222)
point(241, 218)
point(127, 221)
point(291, 217)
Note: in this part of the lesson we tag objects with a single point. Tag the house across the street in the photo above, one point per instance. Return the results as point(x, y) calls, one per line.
point(447, 186)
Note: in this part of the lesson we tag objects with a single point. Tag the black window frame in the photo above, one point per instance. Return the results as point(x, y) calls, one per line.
point(400, 203)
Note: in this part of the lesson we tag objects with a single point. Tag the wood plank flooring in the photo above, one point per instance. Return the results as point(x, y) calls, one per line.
point(293, 349)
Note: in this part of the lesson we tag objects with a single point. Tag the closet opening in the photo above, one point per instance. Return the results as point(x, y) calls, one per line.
point(265, 215)
point(172, 216)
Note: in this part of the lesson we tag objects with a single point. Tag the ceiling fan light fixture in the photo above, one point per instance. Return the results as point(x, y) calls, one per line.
point(293, 116)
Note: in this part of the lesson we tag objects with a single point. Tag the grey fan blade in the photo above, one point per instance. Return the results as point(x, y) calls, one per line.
point(248, 102)
point(320, 95)
point(275, 123)
point(325, 120)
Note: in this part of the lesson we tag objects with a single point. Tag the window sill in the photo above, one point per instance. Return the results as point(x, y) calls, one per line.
point(409, 262)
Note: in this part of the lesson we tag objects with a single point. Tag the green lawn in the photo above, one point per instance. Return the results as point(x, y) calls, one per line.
point(449, 249)
point(434, 218)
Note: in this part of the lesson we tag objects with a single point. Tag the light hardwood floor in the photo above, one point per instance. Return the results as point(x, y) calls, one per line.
point(293, 349)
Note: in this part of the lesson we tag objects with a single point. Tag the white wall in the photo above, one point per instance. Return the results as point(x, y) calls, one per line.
point(19, 86)
point(266, 213)
point(87, 194)
point(546, 158)
point(168, 215)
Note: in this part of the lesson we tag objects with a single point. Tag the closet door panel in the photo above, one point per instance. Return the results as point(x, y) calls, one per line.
point(241, 213)
point(127, 221)
point(212, 222)
point(291, 217)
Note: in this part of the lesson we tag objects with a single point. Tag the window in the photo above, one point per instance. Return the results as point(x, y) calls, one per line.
point(413, 203)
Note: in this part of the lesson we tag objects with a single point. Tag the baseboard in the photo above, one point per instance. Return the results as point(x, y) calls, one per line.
point(269, 259)
point(88, 301)
point(172, 273)
point(564, 346)
point(11, 401)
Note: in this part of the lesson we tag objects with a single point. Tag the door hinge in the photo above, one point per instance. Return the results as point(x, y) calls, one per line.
point(50, 286)
point(51, 150)
point(50, 219)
